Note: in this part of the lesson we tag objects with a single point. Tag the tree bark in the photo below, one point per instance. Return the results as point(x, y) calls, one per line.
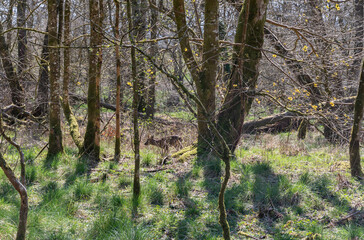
point(17, 92)
point(139, 9)
point(70, 117)
point(91, 147)
point(22, 38)
point(150, 108)
point(118, 84)
point(18, 185)
point(43, 81)
point(136, 142)
point(23, 213)
point(354, 146)
point(203, 75)
point(238, 100)
point(359, 34)
point(55, 132)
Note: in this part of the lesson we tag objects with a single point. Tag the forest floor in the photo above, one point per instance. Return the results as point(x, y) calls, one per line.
point(280, 188)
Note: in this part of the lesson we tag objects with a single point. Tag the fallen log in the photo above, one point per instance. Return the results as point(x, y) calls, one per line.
point(288, 121)
point(84, 99)
point(272, 124)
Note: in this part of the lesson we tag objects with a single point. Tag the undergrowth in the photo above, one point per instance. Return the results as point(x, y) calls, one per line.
point(280, 189)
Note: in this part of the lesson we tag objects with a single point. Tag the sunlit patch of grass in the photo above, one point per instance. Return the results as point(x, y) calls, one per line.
point(155, 193)
point(83, 190)
point(148, 158)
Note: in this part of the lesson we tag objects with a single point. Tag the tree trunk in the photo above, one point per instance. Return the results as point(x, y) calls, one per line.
point(136, 142)
point(203, 76)
point(150, 108)
point(354, 146)
point(23, 213)
point(359, 35)
point(238, 100)
point(43, 81)
point(91, 147)
point(139, 9)
point(73, 125)
point(22, 38)
point(55, 132)
point(17, 92)
point(118, 84)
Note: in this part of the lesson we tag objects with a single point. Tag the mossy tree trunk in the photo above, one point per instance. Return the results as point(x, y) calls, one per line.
point(73, 125)
point(55, 132)
point(238, 100)
point(91, 144)
point(354, 146)
point(118, 83)
point(203, 74)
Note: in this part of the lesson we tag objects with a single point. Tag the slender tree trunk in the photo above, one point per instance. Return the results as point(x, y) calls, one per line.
point(150, 108)
point(17, 92)
point(359, 34)
point(22, 38)
point(55, 132)
point(223, 217)
point(23, 213)
point(118, 83)
point(91, 146)
point(43, 81)
point(354, 146)
point(9, 20)
point(139, 10)
point(136, 184)
point(18, 185)
point(71, 119)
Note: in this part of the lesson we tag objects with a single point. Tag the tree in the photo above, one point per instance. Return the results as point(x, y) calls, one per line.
point(22, 37)
point(150, 108)
point(71, 119)
point(55, 132)
point(91, 144)
point(18, 185)
point(136, 99)
point(17, 91)
point(118, 83)
point(204, 77)
point(354, 145)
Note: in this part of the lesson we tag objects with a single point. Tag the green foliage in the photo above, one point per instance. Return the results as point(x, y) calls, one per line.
point(83, 190)
point(270, 195)
point(155, 193)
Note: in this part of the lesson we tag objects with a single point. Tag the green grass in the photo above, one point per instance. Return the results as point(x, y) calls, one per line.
point(279, 189)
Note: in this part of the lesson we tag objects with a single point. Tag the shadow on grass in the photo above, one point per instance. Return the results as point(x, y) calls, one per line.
point(52, 162)
point(81, 168)
point(211, 166)
point(192, 212)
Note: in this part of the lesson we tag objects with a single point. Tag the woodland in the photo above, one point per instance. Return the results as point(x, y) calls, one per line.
point(174, 119)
